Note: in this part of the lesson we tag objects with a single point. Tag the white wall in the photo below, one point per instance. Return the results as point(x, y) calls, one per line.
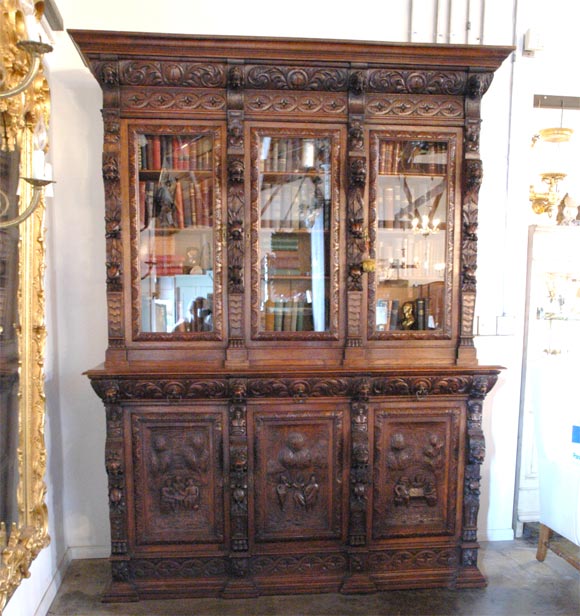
point(76, 274)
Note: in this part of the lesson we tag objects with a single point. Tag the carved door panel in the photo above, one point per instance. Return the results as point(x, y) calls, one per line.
point(299, 474)
point(416, 453)
point(178, 476)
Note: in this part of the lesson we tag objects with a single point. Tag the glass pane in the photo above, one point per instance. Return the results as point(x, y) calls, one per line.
point(294, 206)
point(411, 225)
point(176, 236)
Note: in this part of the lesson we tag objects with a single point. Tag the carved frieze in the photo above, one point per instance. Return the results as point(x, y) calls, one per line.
point(395, 106)
point(417, 82)
point(163, 568)
point(264, 77)
point(305, 104)
point(172, 99)
point(171, 73)
point(389, 560)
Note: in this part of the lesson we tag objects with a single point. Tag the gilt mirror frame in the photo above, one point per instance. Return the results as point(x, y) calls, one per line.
point(24, 537)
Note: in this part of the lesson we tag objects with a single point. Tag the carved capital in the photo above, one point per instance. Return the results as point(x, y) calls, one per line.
point(357, 82)
point(236, 78)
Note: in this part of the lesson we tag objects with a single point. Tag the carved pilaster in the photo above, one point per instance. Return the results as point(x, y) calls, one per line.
point(357, 236)
point(359, 473)
point(116, 473)
point(472, 176)
point(235, 232)
point(475, 455)
point(238, 476)
point(476, 86)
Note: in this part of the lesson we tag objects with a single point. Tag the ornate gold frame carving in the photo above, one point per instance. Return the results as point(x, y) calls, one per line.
point(21, 543)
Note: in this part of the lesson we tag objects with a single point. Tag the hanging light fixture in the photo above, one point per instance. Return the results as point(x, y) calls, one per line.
point(553, 163)
point(551, 158)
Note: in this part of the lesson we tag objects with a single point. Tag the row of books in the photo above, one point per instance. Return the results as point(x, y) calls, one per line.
point(412, 157)
point(167, 265)
point(395, 315)
point(289, 315)
point(183, 204)
point(179, 152)
point(294, 154)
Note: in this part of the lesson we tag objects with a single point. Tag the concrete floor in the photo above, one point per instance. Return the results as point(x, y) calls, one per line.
point(519, 585)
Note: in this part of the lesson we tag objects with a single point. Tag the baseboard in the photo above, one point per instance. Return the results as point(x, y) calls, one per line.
point(84, 552)
point(54, 585)
point(496, 534)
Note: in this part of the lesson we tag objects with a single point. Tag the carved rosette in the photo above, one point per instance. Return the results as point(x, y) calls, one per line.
point(359, 473)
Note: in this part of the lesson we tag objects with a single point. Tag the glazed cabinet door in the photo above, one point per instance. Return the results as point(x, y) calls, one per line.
point(413, 200)
point(176, 492)
point(299, 473)
point(417, 457)
point(176, 249)
point(295, 227)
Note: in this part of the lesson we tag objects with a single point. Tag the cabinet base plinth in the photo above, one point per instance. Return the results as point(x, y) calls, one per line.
point(240, 589)
point(470, 577)
point(358, 584)
point(120, 592)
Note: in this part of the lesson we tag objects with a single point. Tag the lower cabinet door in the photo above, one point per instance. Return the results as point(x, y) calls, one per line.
point(415, 468)
point(299, 473)
point(177, 492)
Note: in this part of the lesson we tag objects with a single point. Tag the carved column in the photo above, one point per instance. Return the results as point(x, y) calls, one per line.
point(470, 575)
point(240, 583)
point(122, 588)
point(357, 236)
point(108, 75)
point(358, 580)
point(477, 85)
point(235, 233)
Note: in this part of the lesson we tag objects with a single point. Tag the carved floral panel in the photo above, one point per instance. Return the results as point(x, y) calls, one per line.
point(298, 474)
point(415, 470)
point(178, 477)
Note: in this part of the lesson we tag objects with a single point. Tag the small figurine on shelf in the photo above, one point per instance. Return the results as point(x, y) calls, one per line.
point(192, 263)
point(164, 203)
point(408, 320)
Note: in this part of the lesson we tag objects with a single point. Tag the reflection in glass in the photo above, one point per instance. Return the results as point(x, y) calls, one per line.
point(411, 222)
point(294, 207)
point(9, 174)
point(176, 220)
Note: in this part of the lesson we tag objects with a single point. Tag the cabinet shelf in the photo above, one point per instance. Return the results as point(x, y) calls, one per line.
point(153, 174)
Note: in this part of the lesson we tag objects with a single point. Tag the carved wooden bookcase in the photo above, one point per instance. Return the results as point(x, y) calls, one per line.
point(293, 398)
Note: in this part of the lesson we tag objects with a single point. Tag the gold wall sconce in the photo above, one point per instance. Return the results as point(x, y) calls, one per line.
point(22, 108)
